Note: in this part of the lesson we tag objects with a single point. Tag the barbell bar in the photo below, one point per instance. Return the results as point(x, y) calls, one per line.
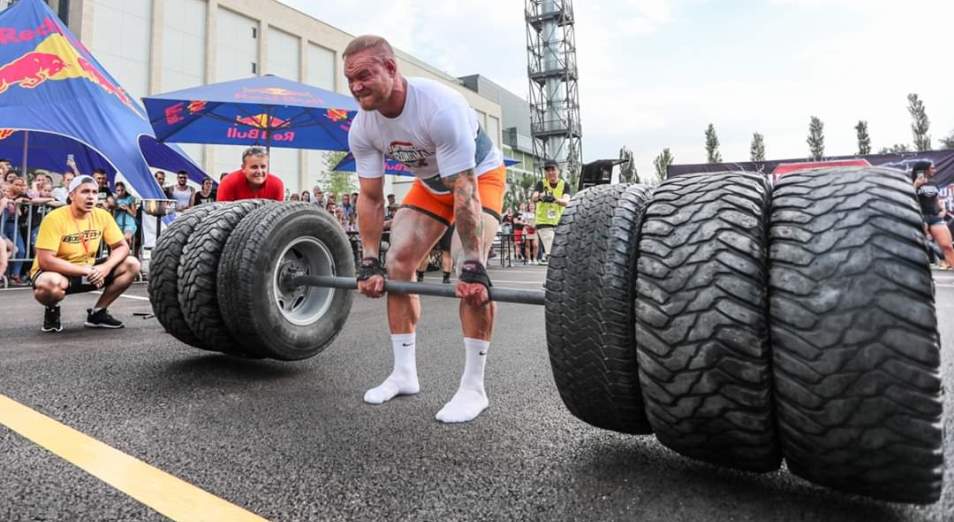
point(502, 295)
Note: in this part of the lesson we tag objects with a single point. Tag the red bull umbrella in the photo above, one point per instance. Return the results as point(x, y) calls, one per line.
point(51, 85)
point(264, 110)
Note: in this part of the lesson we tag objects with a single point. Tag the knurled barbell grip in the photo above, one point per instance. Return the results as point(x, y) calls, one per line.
point(502, 295)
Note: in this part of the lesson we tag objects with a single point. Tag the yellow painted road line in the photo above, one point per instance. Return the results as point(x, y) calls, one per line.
point(155, 488)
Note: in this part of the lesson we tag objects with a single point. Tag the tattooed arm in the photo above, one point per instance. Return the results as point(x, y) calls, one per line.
point(467, 213)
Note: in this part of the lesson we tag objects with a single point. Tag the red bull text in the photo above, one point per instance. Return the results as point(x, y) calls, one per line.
point(259, 134)
point(13, 35)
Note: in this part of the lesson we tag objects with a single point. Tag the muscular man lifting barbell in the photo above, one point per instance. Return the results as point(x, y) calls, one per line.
point(432, 130)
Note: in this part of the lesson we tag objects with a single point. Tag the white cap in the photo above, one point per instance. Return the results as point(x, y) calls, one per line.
point(77, 181)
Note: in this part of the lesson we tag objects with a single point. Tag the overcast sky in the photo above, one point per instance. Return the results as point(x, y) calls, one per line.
point(655, 73)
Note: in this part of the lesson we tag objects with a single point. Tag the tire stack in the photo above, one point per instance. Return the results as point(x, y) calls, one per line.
point(792, 323)
point(217, 272)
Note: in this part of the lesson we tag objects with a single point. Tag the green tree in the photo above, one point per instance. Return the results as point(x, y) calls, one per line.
point(519, 189)
point(757, 150)
point(712, 145)
point(921, 124)
point(948, 142)
point(864, 140)
point(627, 169)
point(661, 164)
point(336, 182)
point(816, 139)
point(897, 148)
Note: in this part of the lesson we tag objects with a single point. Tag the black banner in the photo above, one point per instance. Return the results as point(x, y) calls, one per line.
point(943, 162)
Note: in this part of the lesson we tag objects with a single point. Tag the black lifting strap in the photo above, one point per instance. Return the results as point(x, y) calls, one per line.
point(370, 267)
point(474, 272)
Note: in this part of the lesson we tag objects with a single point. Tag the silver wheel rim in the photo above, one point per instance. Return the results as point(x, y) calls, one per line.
point(304, 305)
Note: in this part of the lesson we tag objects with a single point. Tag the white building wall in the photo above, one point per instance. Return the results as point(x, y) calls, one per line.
point(236, 43)
point(181, 67)
point(320, 71)
point(123, 43)
point(283, 58)
point(283, 55)
point(493, 129)
point(183, 33)
point(320, 67)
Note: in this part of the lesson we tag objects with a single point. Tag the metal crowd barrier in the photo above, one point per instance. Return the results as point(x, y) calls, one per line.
point(21, 229)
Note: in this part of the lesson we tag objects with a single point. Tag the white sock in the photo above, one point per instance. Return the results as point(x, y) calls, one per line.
point(470, 399)
point(403, 379)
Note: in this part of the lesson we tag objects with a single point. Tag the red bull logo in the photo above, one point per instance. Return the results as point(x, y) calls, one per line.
point(263, 127)
point(196, 106)
point(336, 115)
point(30, 70)
point(6, 133)
point(262, 121)
point(173, 113)
point(55, 58)
point(94, 75)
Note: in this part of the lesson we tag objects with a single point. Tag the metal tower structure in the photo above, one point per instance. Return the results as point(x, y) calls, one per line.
point(554, 95)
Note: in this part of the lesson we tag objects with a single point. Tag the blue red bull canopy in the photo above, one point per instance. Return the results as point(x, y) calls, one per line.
point(265, 110)
point(52, 86)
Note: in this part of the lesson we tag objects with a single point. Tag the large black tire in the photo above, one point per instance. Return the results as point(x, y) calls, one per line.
point(198, 270)
point(269, 242)
point(589, 307)
point(855, 338)
point(701, 316)
point(163, 273)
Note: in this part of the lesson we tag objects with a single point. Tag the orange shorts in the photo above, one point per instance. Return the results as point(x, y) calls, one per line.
point(490, 188)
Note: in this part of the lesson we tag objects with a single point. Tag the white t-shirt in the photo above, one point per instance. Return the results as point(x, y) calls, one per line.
point(435, 136)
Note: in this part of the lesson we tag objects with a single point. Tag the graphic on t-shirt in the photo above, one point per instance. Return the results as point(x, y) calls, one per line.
point(86, 235)
point(408, 154)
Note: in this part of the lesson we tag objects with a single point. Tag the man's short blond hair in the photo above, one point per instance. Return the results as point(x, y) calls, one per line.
point(369, 41)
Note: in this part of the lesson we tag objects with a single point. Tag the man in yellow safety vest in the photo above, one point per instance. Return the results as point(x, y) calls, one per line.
point(551, 196)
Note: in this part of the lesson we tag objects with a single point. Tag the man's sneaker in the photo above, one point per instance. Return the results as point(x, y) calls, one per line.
point(101, 319)
point(420, 276)
point(446, 279)
point(51, 319)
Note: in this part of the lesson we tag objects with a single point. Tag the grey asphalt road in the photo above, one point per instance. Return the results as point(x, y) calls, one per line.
point(294, 441)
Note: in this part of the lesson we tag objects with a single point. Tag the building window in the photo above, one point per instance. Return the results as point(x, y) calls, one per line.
point(283, 56)
point(121, 41)
point(320, 67)
point(236, 56)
